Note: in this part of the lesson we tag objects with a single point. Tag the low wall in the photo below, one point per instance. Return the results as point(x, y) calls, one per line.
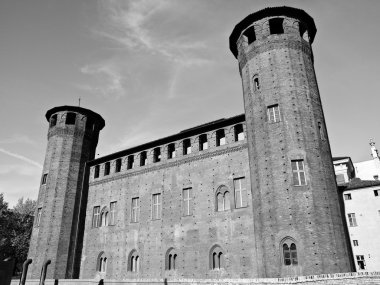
point(325, 279)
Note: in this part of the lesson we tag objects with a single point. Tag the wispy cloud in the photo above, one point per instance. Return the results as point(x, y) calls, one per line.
point(17, 138)
point(21, 157)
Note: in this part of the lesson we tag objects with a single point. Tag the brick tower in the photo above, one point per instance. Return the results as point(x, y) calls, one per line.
point(298, 225)
point(72, 140)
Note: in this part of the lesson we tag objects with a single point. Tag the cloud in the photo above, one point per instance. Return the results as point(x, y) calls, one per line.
point(17, 138)
point(21, 169)
point(23, 158)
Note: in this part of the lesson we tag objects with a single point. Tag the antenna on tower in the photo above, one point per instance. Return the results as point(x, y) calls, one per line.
point(79, 101)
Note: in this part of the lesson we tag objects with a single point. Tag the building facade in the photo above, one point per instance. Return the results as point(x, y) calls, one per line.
point(244, 197)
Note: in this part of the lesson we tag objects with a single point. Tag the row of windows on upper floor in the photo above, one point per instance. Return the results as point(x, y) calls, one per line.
point(71, 120)
point(348, 196)
point(276, 27)
point(288, 253)
point(223, 202)
point(203, 144)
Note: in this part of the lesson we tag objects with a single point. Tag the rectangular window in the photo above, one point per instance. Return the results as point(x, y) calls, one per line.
point(135, 210)
point(352, 220)
point(96, 217)
point(241, 197)
point(220, 138)
point(340, 179)
point(130, 162)
point(157, 154)
point(355, 242)
point(53, 120)
point(361, 262)
point(143, 158)
point(187, 202)
point(298, 169)
point(70, 118)
point(96, 172)
point(203, 144)
point(118, 165)
point(274, 114)
point(347, 197)
point(44, 178)
point(156, 206)
point(239, 132)
point(107, 167)
point(171, 151)
point(112, 220)
point(38, 219)
point(376, 193)
point(186, 147)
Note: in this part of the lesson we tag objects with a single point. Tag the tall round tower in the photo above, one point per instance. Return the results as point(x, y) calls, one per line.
point(298, 225)
point(72, 139)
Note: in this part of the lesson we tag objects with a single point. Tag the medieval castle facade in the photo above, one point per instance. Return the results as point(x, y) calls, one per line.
point(248, 196)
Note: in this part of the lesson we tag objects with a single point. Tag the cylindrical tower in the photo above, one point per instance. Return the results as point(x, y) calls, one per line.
point(298, 226)
point(72, 139)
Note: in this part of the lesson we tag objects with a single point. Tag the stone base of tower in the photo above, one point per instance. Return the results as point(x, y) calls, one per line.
point(325, 279)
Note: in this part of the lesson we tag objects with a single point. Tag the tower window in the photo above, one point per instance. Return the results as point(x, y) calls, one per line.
point(171, 259)
point(118, 165)
point(157, 154)
point(112, 213)
point(250, 34)
point(289, 251)
point(303, 31)
point(239, 132)
point(203, 144)
point(171, 151)
point(361, 262)
point(143, 158)
point(273, 114)
point(135, 210)
point(216, 258)
point(44, 178)
point(347, 197)
point(376, 193)
point(223, 199)
point(53, 120)
point(220, 138)
point(298, 169)
point(321, 131)
point(241, 197)
point(102, 263)
point(130, 162)
point(355, 242)
point(133, 261)
point(256, 83)
point(38, 218)
point(96, 217)
point(104, 217)
point(107, 167)
point(186, 146)
point(156, 206)
point(70, 118)
point(96, 172)
point(352, 220)
point(275, 26)
point(187, 202)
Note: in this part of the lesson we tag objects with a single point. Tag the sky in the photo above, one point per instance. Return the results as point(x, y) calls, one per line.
point(152, 68)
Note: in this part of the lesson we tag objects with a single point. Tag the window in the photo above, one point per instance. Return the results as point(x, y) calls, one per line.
point(299, 177)
point(133, 261)
point(223, 199)
point(171, 259)
point(376, 177)
point(241, 199)
point(355, 242)
point(203, 144)
point(220, 138)
point(187, 202)
point(118, 165)
point(104, 217)
point(321, 131)
point(70, 118)
point(107, 167)
point(216, 258)
point(143, 158)
point(135, 210)
point(303, 31)
point(239, 132)
point(289, 251)
point(376, 193)
point(102, 263)
point(275, 26)
point(352, 220)
point(130, 162)
point(112, 213)
point(250, 34)
point(89, 124)
point(186, 146)
point(44, 178)
point(53, 120)
point(347, 197)
point(96, 217)
point(156, 206)
point(96, 172)
point(340, 179)
point(361, 262)
point(274, 114)
point(157, 154)
point(171, 151)
point(256, 84)
point(38, 218)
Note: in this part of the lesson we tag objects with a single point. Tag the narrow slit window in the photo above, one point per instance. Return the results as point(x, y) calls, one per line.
point(276, 26)
point(96, 217)
point(157, 154)
point(44, 179)
point(171, 151)
point(53, 120)
point(220, 138)
point(70, 118)
point(156, 206)
point(118, 165)
point(107, 167)
point(203, 144)
point(130, 162)
point(186, 146)
point(256, 84)
point(143, 158)
point(96, 172)
point(38, 219)
point(135, 210)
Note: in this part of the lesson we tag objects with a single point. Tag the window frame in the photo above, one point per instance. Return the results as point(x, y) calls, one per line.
point(135, 210)
point(96, 171)
point(273, 111)
point(186, 147)
point(298, 171)
point(112, 213)
point(352, 220)
point(96, 217)
point(143, 158)
point(118, 165)
point(44, 179)
point(188, 201)
point(241, 192)
point(156, 206)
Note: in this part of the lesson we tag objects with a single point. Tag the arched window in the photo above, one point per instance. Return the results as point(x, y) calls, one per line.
point(171, 259)
point(256, 83)
point(289, 252)
point(102, 263)
point(133, 261)
point(222, 199)
point(104, 217)
point(216, 258)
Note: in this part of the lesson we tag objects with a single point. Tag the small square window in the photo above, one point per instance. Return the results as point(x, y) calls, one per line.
point(220, 138)
point(156, 206)
point(347, 197)
point(38, 218)
point(171, 151)
point(355, 242)
point(273, 114)
point(44, 179)
point(143, 158)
